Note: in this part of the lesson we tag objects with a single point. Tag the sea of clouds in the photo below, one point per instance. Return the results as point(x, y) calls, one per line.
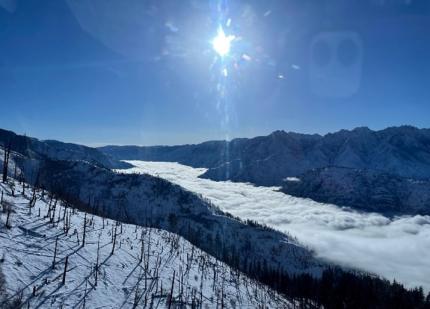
point(396, 248)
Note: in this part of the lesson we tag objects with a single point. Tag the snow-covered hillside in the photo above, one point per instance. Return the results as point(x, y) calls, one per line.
point(138, 266)
point(34, 149)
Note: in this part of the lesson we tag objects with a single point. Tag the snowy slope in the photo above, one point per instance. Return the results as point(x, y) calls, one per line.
point(123, 281)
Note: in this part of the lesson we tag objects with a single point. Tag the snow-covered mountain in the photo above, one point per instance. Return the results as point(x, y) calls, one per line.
point(268, 160)
point(262, 253)
point(367, 190)
point(32, 148)
point(114, 265)
point(150, 201)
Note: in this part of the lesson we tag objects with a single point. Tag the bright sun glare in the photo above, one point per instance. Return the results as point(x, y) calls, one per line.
point(221, 43)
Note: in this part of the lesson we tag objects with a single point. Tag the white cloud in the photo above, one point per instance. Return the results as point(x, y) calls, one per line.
point(394, 248)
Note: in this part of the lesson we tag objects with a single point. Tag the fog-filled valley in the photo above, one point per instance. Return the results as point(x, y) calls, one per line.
point(396, 248)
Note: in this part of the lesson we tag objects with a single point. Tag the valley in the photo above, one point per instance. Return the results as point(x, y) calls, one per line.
point(396, 248)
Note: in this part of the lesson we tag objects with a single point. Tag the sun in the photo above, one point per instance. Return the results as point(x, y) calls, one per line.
point(222, 43)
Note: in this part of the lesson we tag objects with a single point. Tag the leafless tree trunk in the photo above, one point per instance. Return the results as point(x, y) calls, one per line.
point(114, 240)
point(85, 230)
point(7, 218)
point(171, 290)
point(142, 250)
point(65, 270)
point(6, 160)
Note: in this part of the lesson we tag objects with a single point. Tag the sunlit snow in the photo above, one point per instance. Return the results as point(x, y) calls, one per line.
point(126, 278)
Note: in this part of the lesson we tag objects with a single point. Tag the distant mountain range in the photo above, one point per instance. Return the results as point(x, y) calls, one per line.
point(403, 152)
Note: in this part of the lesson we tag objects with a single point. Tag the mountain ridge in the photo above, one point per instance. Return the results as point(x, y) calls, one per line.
point(402, 151)
point(357, 148)
point(34, 148)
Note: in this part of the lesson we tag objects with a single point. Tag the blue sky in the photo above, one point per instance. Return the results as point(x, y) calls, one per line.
point(144, 72)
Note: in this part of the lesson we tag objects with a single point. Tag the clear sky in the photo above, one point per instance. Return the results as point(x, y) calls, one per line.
point(145, 72)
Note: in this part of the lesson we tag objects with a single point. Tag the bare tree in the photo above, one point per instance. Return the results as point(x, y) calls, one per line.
point(55, 252)
point(85, 230)
point(65, 270)
point(6, 157)
point(171, 290)
point(114, 239)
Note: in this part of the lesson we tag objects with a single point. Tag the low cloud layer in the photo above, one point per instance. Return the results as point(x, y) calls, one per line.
point(395, 249)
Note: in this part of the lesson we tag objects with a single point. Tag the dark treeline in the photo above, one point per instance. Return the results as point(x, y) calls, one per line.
point(342, 289)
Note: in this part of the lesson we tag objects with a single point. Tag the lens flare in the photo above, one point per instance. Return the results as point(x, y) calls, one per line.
point(222, 43)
